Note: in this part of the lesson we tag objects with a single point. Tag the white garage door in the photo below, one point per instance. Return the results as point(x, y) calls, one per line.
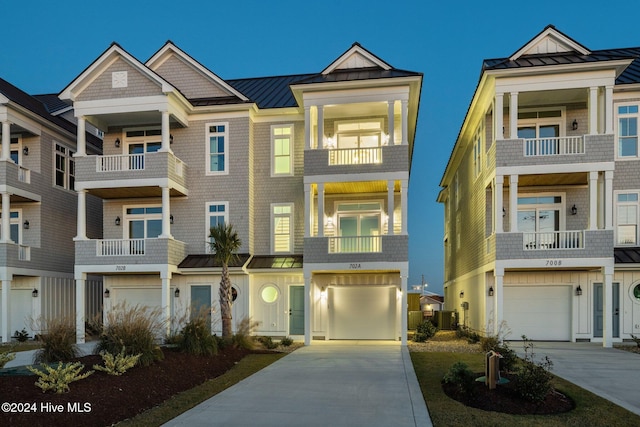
point(364, 313)
point(541, 313)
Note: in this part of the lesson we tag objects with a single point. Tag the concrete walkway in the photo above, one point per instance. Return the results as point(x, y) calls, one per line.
point(26, 357)
point(608, 372)
point(354, 383)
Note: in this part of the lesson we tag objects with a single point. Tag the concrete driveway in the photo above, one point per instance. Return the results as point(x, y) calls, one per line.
point(343, 383)
point(608, 372)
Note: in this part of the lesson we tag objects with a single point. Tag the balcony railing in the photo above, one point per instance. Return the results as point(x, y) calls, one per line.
point(120, 247)
point(553, 240)
point(120, 162)
point(24, 175)
point(355, 156)
point(556, 146)
point(359, 244)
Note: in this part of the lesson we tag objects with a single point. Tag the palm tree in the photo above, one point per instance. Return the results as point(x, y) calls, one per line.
point(224, 244)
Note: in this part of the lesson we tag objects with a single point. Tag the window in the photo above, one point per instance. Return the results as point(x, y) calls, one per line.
point(216, 213)
point(359, 226)
point(365, 134)
point(477, 151)
point(16, 149)
point(14, 227)
point(539, 217)
point(542, 125)
point(269, 294)
point(217, 148)
point(627, 218)
point(139, 142)
point(282, 227)
point(64, 167)
point(628, 131)
point(282, 150)
point(143, 222)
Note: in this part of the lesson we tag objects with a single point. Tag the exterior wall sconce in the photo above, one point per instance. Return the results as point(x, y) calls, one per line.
point(490, 291)
point(578, 291)
point(574, 125)
point(171, 219)
point(461, 294)
point(170, 139)
point(323, 293)
point(117, 221)
point(34, 293)
point(25, 151)
point(504, 213)
point(117, 142)
point(574, 210)
point(176, 293)
point(107, 293)
point(25, 225)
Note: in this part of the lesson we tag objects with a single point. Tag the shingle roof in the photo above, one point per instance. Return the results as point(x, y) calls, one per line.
point(52, 102)
point(626, 255)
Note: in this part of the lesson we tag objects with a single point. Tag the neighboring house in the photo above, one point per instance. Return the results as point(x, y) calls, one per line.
point(312, 170)
point(430, 304)
point(37, 217)
point(543, 186)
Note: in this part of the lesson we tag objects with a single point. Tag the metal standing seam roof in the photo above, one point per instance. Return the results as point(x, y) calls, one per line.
point(275, 261)
point(207, 261)
point(626, 255)
point(269, 92)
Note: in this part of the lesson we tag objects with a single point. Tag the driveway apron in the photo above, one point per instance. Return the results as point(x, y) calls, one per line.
point(344, 383)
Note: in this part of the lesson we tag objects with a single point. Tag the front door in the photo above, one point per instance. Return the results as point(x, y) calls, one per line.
point(598, 310)
point(296, 310)
point(201, 302)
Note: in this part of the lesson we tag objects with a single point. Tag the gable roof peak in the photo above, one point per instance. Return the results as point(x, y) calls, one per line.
point(549, 41)
point(356, 57)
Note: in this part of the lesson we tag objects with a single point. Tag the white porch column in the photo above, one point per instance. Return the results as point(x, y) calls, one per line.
point(608, 110)
point(404, 205)
point(165, 301)
point(513, 116)
point(499, 204)
point(498, 112)
point(390, 205)
point(593, 200)
point(513, 203)
point(166, 213)
point(6, 310)
point(307, 210)
point(166, 132)
point(320, 141)
point(307, 128)
point(498, 299)
point(81, 281)
point(320, 209)
point(6, 140)
point(391, 121)
point(405, 121)
point(608, 197)
point(404, 273)
point(593, 110)
point(308, 293)
point(81, 227)
point(6, 217)
point(607, 307)
point(81, 149)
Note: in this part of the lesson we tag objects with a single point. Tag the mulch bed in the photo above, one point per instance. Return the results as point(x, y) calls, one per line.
point(102, 399)
point(504, 399)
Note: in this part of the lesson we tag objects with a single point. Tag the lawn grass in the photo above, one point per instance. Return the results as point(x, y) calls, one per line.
point(184, 401)
point(591, 410)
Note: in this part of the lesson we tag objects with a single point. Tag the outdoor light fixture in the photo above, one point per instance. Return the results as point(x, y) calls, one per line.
point(574, 125)
point(26, 225)
point(170, 139)
point(578, 291)
point(118, 221)
point(117, 142)
point(461, 294)
point(490, 291)
point(323, 293)
point(504, 213)
point(574, 210)
point(171, 219)
point(34, 293)
point(176, 293)
point(107, 293)
point(25, 151)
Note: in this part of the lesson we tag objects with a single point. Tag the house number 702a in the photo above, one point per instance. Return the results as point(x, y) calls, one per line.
point(553, 262)
point(355, 266)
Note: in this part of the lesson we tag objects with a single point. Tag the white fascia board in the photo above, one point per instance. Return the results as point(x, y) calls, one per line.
point(555, 34)
point(121, 105)
point(179, 109)
point(346, 267)
point(626, 92)
point(3, 99)
point(565, 80)
point(541, 263)
point(26, 122)
point(617, 66)
point(353, 50)
point(232, 110)
point(129, 268)
point(277, 114)
point(18, 192)
point(125, 183)
point(555, 169)
point(222, 115)
point(353, 96)
point(356, 177)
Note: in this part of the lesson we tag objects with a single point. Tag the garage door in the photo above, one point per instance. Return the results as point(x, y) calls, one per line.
point(364, 313)
point(541, 313)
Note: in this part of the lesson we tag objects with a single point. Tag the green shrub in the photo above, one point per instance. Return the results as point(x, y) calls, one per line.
point(118, 364)
point(195, 338)
point(286, 341)
point(243, 337)
point(6, 357)
point(58, 379)
point(636, 339)
point(58, 340)
point(133, 330)
point(21, 336)
point(461, 377)
point(533, 379)
point(424, 331)
point(268, 343)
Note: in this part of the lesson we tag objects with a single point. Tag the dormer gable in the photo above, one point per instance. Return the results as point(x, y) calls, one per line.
point(356, 57)
point(550, 41)
point(192, 78)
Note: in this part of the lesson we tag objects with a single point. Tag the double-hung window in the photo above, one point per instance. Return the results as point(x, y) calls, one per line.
point(627, 131)
point(64, 167)
point(216, 213)
point(627, 218)
point(282, 227)
point(217, 156)
point(282, 150)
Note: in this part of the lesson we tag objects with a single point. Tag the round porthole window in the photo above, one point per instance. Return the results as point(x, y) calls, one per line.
point(636, 292)
point(269, 294)
point(234, 293)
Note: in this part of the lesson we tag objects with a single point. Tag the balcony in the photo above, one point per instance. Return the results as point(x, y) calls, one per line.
point(15, 176)
point(392, 158)
point(553, 240)
point(558, 146)
point(355, 156)
point(386, 248)
point(359, 244)
point(129, 251)
point(12, 254)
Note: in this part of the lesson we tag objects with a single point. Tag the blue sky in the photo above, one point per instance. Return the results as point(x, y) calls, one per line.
point(47, 44)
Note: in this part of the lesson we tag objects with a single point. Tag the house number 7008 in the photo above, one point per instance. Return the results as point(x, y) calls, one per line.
point(553, 262)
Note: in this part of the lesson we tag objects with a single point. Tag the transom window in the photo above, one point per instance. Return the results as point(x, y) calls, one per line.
point(282, 231)
point(365, 134)
point(627, 218)
point(143, 222)
point(216, 213)
point(141, 141)
point(540, 213)
point(64, 167)
point(217, 148)
point(359, 226)
point(282, 149)
point(627, 131)
point(540, 125)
